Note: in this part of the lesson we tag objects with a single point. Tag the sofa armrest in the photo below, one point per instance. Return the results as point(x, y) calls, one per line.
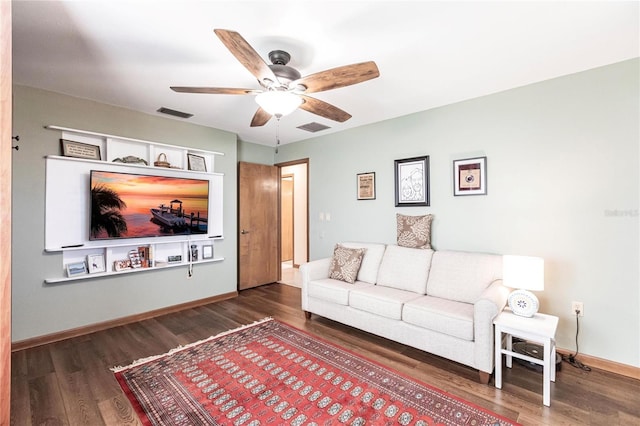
point(314, 270)
point(486, 308)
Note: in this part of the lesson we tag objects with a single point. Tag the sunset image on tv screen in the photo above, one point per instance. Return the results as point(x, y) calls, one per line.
point(126, 205)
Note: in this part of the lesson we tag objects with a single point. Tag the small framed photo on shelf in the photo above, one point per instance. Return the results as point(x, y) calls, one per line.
point(207, 252)
point(80, 150)
point(470, 176)
point(76, 268)
point(134, 257)
point(412, 181)
point(196, 163)
point(122, 265)
point(367, 186)
point(95, 262)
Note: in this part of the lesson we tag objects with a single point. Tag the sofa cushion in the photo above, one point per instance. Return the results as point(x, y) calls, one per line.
point(370, 262)
point(441, 315)
point(414, 231)
point(462, 276)
point(383, 301)
point(334, 291)
point(405, 268)
point(345, 263)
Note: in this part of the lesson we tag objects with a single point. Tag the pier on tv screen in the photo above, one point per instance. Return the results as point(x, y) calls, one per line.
point(127, 205)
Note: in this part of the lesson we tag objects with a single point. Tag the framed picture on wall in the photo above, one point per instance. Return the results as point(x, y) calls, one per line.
point(470, 176)
point(367, 186)
point(412, 181)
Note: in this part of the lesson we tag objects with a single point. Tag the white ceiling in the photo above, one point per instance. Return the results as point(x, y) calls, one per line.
point(128, 53)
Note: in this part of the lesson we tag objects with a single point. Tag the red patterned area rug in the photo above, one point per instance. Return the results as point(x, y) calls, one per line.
point(272, 373)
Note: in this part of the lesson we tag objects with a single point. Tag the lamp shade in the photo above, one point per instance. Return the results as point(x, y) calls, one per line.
point(278, 103)
point(524, 272)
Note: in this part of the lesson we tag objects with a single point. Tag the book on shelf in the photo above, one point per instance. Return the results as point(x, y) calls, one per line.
point(144, 256)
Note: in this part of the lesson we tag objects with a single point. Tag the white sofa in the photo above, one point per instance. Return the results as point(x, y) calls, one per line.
point(442, 302)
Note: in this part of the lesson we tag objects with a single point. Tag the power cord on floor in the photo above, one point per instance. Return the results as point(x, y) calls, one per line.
point(571, 359)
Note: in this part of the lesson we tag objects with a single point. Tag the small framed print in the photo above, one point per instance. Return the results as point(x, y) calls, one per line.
point(76, 268)
point(207, 252)
point(122, 265)
point(80, 150)
point(134, 257)
point(197, 163)
point(470, 176)
point(95, 262)
point(412, 181)
point(367, 186)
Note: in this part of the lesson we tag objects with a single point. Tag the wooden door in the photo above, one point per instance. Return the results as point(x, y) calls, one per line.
point(259, 255)
point(286, 218)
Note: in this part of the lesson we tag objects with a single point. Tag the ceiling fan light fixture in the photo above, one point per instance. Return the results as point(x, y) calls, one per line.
point(278, 103)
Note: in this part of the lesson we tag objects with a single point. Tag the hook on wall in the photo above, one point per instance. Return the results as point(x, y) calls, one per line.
point(17, 139)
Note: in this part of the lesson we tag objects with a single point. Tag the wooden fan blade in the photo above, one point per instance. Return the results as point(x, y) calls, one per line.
point(338, 77)
point(247, 56)
point(260, 118)
point(323, 109)
point(215, 90)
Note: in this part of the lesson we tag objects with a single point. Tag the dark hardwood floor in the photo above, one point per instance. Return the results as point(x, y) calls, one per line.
point(69, 382)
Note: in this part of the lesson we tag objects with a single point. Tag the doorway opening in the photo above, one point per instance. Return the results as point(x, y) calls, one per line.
point(294, 219)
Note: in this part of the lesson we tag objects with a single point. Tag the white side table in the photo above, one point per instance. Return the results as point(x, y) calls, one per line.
point(540, 328)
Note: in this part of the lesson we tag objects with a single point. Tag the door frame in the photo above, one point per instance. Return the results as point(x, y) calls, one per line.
point(280, 166)
point(6, 146)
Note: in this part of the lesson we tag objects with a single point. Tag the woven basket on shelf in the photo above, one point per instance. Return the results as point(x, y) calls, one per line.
point(162, 161)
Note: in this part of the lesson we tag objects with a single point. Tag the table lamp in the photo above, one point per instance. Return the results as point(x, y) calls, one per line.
point(524, 273)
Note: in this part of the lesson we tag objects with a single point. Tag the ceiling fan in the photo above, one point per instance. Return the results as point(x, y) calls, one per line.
point(283, 88)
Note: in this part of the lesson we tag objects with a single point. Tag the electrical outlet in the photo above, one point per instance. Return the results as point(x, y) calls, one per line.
point(577, 306)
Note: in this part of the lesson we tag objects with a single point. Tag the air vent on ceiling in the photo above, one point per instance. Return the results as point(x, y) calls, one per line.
point(313, 127)
point(175, 113)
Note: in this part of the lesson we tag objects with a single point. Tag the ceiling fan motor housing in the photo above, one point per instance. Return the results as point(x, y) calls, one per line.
point(279, 60)
point(279, 57)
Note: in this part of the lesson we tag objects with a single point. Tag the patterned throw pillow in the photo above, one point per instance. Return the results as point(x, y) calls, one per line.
point(345, 263)
point(414, 231)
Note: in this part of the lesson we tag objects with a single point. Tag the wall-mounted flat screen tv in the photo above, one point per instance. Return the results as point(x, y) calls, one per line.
point(127, 205)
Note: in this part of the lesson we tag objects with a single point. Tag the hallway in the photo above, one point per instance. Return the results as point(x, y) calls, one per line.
point(290, 275)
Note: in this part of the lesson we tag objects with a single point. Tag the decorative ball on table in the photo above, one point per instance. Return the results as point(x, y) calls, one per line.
point(525, 273)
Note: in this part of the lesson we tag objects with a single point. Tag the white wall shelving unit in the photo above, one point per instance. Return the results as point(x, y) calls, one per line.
point(67, 217)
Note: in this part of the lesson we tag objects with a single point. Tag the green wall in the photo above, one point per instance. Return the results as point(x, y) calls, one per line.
point(563, 184)
point(39, 308)
point(254, 153)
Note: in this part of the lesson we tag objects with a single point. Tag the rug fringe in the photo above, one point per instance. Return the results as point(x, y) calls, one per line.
point(137, 362)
